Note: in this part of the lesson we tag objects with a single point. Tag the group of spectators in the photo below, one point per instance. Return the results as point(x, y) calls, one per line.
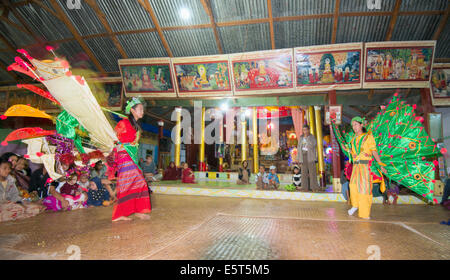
point(24, 193)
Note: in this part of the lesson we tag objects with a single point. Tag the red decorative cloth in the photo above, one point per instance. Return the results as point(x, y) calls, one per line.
point(125, 131)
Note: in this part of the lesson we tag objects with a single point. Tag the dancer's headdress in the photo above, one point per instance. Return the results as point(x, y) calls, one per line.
point(131, 103)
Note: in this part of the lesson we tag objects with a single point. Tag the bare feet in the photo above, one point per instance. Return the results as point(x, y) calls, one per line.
point(142, 216)
point(123, 218)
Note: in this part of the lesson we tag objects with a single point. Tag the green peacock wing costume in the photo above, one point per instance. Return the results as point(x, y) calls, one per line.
point(403, 145)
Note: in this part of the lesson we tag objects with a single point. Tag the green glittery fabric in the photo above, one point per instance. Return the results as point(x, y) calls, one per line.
point(403, 145)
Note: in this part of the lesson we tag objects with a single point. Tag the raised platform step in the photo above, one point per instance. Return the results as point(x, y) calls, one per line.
point(249, 191)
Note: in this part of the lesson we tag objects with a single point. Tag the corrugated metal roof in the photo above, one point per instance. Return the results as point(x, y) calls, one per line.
point(423, 5)
point(291, 34)
point(361, 6)
point(245, 38)
point(233, 10)
point(362, 29)
point(418, 27)
point(142, 45)
point(281, 8)
point(43, 23)
point(191, 42)
point(75, 54)
point(168, 12)
point(84, 20)
point(13, 35)
point(443, 43)
point(106, 53)
point(124, 15)
point(7, 58)
point(4, 76)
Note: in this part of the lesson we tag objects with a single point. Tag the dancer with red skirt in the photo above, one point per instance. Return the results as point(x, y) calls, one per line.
point(132, 191)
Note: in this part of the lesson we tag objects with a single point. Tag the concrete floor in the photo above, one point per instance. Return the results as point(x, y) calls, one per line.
point(195, 227)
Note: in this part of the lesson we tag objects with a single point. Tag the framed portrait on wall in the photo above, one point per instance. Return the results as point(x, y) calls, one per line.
point(263, 72)
point(328, 67)
point(108, 92)
point(398, 64)
point(435, 127)
point(333, 112)
point(440, 84)
point(206, 76)
point(151, 77)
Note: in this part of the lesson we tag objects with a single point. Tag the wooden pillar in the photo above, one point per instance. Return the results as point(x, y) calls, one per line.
point(319, 137)
point(178, 137)
point(202, 164)
point(255, 140)
point(427, 106)
point(332, 100)
point(160, 136)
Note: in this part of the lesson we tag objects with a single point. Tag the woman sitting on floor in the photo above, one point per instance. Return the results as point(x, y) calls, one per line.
point(171, 172)
point(68, 195)
point(244, 174)
point(187, 175)
point(11, 205)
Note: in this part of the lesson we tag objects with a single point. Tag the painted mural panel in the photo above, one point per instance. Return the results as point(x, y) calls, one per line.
point(328, 67)
point(202, 76)
point(440, 84)
point(263, 72)
point(398, 64)
point(147, 77)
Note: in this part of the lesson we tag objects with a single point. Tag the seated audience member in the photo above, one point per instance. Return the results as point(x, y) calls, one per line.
point(274, 181)
point(97, 194)
point(262, 181)
point(99, 171)
point(149, 169)
point(19, 173)
point(244, 174)
point(57, 200)
point(171, 172)
point(11, 157)
point(11, 205)
point(187, 175)
point(38, 182)
point(297, 178)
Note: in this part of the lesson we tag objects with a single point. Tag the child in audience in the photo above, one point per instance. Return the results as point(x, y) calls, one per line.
point(73, 193)
point(261, 179)
point(97, 194)
point(274, 181)
point(187, 175)
point(297, 178)
point(11, 205)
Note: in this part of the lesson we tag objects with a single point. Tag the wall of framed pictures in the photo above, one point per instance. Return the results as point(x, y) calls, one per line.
point(299, 70)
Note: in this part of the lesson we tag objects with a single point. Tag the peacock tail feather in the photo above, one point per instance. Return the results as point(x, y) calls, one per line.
point(403, 146)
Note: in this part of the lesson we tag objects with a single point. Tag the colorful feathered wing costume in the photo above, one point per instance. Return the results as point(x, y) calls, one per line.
point(82, 119)
point(403, 145)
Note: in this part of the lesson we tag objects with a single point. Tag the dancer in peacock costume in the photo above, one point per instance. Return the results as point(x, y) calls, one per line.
point(403, 147)
point(81, 125)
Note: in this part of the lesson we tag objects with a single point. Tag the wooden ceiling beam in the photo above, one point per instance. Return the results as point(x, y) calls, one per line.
point(146, 5)
point(207, 6)
point(14, 25)
point(302, 17)
point(76, 35)
point(102, 17)
point(272, 34)
point(442, 23)
point(243, 22)
point(39, 3)
point(394, 17)
point(335, 20)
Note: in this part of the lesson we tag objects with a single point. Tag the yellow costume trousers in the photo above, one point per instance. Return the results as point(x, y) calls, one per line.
point(361, 189)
